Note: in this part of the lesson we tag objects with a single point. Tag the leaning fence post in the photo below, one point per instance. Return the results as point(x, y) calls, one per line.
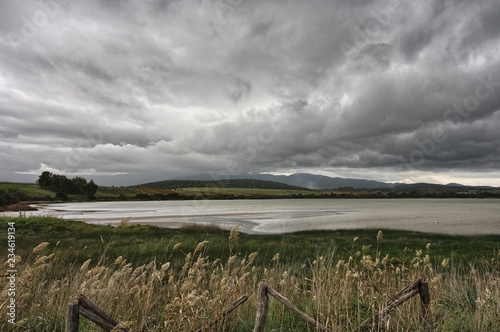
point(262, 305)
point(425, 301)
point(90, 311)
point(72, 317)
point(225, 312)
point(309, 320)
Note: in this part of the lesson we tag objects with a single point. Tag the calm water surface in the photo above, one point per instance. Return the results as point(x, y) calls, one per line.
point(450, 216)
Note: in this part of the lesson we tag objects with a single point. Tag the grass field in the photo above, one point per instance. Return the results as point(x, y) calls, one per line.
point(131, 192)
point(244, 192)
point(148, 193)
point(157, 279)
point(29, 189)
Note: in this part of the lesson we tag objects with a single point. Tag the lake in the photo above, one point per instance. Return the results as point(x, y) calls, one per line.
point(448, 216)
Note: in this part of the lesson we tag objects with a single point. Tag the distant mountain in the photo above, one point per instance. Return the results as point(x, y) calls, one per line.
point(312, 181)
point(455, 185)
point(305, 180)
point(419, 185)
point(440, 186)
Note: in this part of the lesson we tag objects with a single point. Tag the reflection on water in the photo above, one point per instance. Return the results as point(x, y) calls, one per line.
point(450, 216)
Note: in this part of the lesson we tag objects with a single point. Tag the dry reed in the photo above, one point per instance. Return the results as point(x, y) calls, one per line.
point(339, 293)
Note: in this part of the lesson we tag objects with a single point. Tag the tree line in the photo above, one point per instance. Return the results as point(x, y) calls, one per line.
point(62, 184)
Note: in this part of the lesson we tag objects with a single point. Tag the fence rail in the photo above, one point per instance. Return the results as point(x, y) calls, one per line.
point(83, 307)
point(417, 287)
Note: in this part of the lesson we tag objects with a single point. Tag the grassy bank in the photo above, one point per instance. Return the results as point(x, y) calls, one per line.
point(180, 279)
point(32, 190)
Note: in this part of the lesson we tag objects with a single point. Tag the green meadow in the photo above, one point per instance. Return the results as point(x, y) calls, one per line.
point(158, 279)
point(29, 189)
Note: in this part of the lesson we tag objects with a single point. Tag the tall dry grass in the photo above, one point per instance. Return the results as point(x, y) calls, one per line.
point(340, 293)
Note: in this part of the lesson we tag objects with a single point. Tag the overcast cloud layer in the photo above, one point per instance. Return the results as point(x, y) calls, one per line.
point(129, 91)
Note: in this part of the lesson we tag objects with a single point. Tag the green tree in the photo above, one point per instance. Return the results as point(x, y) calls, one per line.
point(91, 188)
point(44, 179)
point(77, 186)
point(61, 184)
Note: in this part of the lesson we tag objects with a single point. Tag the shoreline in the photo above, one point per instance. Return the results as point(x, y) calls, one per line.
point(445, 216)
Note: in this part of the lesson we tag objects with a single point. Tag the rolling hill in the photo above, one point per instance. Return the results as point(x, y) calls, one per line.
point(232, 183)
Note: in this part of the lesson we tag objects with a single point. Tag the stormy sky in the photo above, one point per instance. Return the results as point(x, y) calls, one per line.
point(131, 91)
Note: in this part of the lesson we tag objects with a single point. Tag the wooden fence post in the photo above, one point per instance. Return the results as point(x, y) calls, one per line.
point(262, 306)
point(425, 301)
point(90, 311)
point(72, 317)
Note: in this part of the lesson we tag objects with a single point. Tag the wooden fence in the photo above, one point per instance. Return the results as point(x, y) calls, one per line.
point(83, 307)
point(417, 287)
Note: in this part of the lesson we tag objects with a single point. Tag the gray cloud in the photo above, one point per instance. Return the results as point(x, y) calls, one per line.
point(125, 91)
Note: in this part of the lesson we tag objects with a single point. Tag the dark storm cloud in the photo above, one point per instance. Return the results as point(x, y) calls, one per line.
point(155, 89)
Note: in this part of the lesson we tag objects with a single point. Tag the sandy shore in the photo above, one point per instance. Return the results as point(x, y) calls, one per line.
point(445, 216)
point(166, 221)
